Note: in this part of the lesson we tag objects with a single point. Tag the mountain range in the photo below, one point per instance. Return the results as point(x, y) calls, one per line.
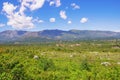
point(51, 35)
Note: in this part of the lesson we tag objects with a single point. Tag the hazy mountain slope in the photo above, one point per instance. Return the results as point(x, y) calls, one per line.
point(56, 35)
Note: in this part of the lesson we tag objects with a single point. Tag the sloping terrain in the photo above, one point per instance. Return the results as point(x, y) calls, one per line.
point(46, 35)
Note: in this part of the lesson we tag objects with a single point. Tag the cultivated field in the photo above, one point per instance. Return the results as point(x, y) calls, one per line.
point(79, 60)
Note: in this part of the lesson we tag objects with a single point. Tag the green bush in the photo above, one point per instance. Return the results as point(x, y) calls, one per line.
point(85, 65)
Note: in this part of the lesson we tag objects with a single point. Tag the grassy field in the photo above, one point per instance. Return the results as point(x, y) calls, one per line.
point(79, 60)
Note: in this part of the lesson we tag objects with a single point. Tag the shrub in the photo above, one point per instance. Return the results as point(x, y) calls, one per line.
point(84, 65)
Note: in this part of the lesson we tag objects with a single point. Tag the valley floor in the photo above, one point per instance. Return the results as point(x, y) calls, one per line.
point(79, 60)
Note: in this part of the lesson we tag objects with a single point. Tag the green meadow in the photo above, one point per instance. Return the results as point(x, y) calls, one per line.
point(77, 60)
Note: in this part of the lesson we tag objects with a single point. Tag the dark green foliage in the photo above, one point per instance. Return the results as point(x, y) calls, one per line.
point(85, 65)
point(12, 71)
point(46, 64)
point(18, 72)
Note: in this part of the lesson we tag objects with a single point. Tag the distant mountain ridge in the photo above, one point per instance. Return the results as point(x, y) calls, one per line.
point(45, 35)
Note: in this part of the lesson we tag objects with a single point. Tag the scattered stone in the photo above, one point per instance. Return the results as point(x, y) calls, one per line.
point(116, 47)
point(118, 63)
point(36, 57)
point(105, 64)
point(77, 44)
point(71, 56)
point(42, 54)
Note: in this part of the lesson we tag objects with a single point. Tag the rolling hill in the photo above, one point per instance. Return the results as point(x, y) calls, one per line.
point(51, 35)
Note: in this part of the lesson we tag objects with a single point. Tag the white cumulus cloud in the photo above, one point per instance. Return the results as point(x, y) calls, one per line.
point(69, 22)
point(31, 4)
point(84, 20)
point(51, 3)
point(75, 6)
point(20, 22)
point(15, 19)
point(9, 8)
point(38, 20)
point(36, 4)
point(16, 14)
point(52, 19)
point(57, 3)
point(2, 25)
point(63, 14)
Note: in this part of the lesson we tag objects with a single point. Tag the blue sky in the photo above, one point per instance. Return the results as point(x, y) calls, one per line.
point(35, 15)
